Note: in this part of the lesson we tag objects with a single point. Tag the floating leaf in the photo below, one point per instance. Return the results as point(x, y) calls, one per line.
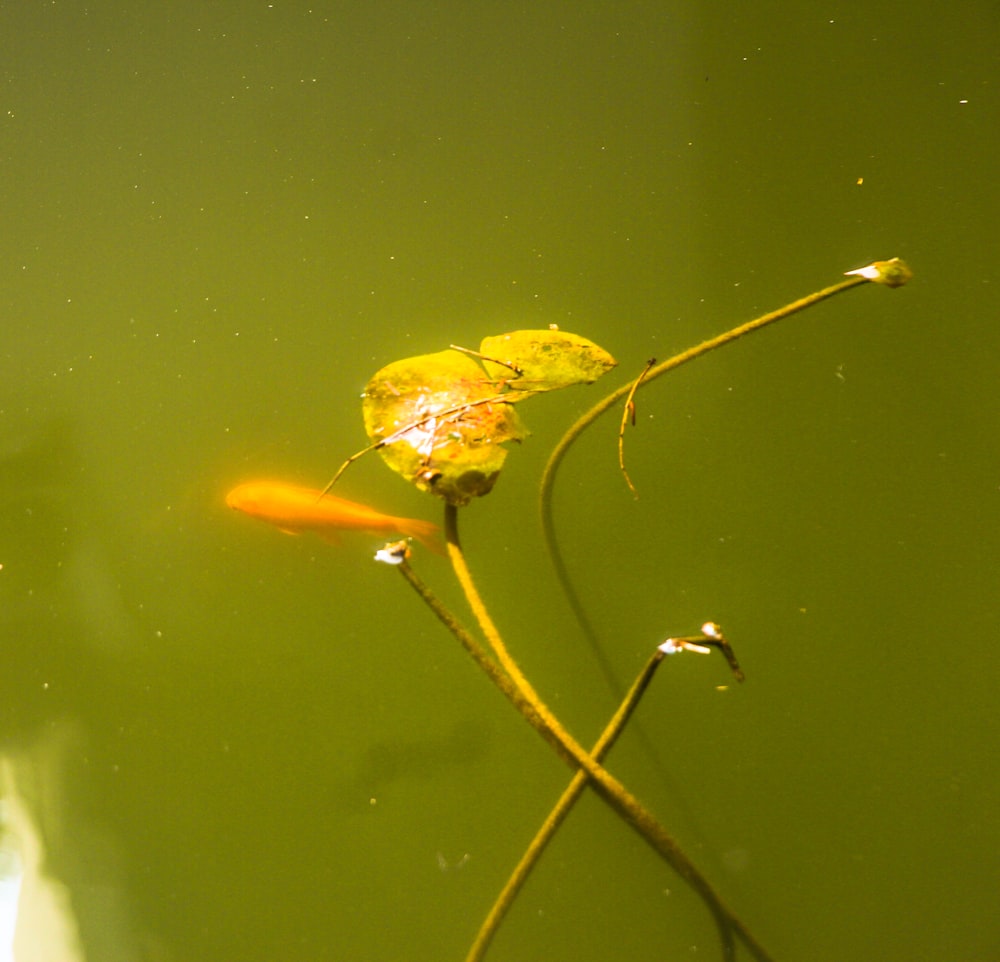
point(544, 360)
point(440, 422)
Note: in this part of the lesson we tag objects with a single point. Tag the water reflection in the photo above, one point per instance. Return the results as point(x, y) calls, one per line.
point(10, 886)
point(60, 617)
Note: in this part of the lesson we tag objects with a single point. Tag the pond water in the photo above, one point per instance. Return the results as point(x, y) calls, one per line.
point(219, 741)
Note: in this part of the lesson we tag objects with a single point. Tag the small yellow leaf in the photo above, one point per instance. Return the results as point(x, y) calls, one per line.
point(544, 360)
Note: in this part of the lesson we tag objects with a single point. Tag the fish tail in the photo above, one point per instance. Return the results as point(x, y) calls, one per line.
point(427, 533)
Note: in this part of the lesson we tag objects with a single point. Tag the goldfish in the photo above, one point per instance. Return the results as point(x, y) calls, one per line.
point(294, 510)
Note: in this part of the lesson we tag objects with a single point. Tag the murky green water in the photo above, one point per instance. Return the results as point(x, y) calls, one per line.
point(220, 219)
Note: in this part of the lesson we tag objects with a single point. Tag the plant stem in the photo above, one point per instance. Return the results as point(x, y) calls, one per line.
point(676, 361)
point(558, 814)
point(892, 273)
point(661, 842)
point(481, 657)
point(606, 785)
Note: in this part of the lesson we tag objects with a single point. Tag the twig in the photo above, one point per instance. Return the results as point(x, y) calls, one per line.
point(628, 413)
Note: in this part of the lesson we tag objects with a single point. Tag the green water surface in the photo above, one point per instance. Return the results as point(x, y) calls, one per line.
point(220, 219)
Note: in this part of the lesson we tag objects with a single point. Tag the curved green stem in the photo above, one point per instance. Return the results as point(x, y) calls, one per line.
point(647, 376)
point(891, 273)
point(558, 814)
point(627, 806)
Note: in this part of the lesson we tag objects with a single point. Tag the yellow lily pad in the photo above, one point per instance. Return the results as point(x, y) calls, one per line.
point(441, 422)
point(544, 360)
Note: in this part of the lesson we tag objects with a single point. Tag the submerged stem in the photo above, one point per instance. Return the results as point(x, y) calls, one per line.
point(481, 657)
point(624, 803)
point(558, 814)
point(893, 273)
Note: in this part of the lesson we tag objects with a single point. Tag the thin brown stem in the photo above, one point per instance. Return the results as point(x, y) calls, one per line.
point(481, 657)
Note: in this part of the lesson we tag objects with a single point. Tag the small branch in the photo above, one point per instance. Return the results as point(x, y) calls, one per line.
point(628, 413)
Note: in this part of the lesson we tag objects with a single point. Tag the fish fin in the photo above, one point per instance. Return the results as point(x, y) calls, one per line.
point(427, 533)
point(289, 531)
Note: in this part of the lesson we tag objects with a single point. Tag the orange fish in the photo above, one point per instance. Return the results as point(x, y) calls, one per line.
point(294, 510)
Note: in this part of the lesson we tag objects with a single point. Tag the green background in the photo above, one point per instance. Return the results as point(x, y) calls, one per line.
point(220, 219)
